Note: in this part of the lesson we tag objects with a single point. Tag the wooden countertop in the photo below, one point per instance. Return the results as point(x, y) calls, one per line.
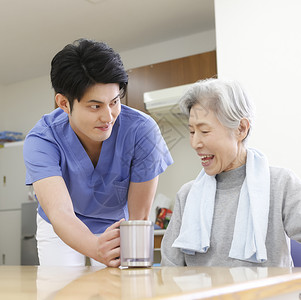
point(32, 282)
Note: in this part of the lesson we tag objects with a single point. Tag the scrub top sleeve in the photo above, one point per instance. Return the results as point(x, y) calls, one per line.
point(152, 156)
point(41, 157)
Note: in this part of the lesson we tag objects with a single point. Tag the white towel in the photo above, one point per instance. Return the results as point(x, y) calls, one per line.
point(251, 222)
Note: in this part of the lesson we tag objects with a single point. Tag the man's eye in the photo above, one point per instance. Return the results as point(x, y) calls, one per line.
point(94, 106)
point(115, 101)
point(191, 132)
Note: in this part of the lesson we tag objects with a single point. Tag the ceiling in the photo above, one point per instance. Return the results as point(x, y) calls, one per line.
point(33, 31)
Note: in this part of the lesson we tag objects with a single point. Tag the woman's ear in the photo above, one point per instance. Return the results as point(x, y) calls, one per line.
point(63, 103)
point(243, 129)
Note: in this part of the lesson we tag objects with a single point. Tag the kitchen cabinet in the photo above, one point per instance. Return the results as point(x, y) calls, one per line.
point(10, 237)
point(158, 236)
point(13, 192)
point(168, 74)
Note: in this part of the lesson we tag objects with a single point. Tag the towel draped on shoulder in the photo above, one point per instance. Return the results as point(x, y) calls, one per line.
point(251, 221)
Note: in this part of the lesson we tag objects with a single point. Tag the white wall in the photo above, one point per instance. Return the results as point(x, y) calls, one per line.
point(187, 164)
point(23, 104)
point(258, 43)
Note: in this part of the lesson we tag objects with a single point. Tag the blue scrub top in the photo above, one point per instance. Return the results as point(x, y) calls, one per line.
point(135, 152)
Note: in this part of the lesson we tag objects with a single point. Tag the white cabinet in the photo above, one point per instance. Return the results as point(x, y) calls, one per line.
point(10, 237)
point(13, 192)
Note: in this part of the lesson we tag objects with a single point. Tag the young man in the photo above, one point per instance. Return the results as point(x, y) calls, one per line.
point(92, 161)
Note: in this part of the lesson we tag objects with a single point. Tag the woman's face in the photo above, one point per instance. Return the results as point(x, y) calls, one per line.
point(219, 148)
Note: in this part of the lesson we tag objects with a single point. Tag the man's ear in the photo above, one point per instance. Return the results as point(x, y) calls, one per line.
point(243, 128)
point(62, 102)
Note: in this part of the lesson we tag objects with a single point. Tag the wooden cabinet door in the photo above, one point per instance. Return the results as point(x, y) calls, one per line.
point(168, 74)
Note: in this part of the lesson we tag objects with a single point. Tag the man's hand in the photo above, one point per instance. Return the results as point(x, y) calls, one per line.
point(108, 246)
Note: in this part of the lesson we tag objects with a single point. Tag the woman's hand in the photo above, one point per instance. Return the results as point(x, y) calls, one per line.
point(108, 246)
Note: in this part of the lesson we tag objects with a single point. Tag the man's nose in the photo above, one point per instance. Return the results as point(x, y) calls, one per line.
point(106, 115)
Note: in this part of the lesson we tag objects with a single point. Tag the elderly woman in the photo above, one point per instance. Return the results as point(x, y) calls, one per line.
point(239, 211)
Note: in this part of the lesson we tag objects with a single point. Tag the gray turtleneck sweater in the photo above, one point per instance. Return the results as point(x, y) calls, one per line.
point(284, 221)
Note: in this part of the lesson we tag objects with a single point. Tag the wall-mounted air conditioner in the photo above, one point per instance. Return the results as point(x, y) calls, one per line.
point(163, 104)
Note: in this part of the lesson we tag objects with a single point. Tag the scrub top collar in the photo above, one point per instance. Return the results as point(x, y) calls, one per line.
point(77, 150)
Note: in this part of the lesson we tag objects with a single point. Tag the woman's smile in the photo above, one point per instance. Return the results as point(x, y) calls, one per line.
point(206, 159)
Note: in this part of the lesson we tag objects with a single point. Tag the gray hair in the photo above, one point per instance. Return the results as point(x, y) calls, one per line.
point(225, 98)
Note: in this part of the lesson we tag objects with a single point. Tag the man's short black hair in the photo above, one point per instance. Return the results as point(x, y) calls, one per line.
point(84, 63)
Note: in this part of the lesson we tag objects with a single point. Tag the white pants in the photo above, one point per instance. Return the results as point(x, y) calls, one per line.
point(52, 251)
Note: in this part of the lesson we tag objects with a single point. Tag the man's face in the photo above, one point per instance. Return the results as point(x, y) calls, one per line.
point(92, 118)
